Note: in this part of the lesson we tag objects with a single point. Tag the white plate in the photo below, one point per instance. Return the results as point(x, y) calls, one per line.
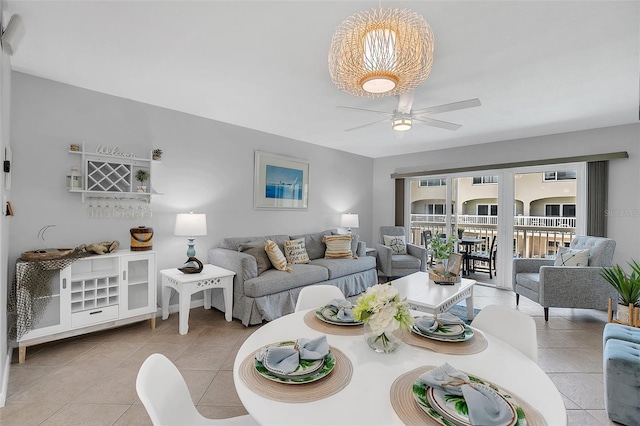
point(468, 334)
point(450, 416)
point(329, 314)
point(309, 371)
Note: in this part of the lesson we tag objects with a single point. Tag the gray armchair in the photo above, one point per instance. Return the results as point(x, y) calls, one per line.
point(398, 265)
point(567, 286)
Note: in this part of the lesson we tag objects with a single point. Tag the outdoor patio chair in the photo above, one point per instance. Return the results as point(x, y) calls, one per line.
point(487, 256)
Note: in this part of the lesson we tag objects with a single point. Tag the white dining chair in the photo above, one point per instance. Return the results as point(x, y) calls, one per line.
point(165, 396)
point(511, 326)
point(314, 296)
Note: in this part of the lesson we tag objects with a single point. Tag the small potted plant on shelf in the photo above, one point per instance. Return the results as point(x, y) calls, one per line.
point(142, 176)
point(442, 248)
point(627, 286)
point(156, 154)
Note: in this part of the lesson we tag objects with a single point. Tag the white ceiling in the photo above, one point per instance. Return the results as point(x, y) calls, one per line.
point(539, 67)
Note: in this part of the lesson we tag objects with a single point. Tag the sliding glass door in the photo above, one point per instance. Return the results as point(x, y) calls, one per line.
point(529, 211)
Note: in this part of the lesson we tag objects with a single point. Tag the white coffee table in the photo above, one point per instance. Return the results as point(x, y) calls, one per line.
point(187, 284)
point(427, 296)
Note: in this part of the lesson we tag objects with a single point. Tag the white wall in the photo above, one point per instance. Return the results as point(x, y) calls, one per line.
point(624, 175)
point(207, 167)
point(5, 222)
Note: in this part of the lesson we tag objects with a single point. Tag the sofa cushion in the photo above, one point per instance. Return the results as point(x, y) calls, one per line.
point(313, 243)
point(338, 246)
point(396, 242)
point(295, 252)
point(275, 256)
point(571, 257)
point(234, 242)
point(342, 267)
point(530, 280)
point(354, 241)
point(256, 249)
point(404, 261)
point(274, 281)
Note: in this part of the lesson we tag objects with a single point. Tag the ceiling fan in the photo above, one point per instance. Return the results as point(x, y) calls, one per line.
point(403, 117)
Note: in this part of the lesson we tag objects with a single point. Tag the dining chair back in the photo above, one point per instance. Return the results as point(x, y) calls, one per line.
point(166, 397)
point(314, 296)
point(511, 326)
point(488, 256)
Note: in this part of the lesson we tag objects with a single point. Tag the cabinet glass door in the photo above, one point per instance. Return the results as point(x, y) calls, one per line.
point(55, 316)
point(137, 286)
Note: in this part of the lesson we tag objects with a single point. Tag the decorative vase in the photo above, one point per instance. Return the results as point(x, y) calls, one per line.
point(157, 157)
point(142, 188)
point(622, 313)
point(382, 342)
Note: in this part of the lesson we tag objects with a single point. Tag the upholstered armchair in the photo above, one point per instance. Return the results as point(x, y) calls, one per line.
point(395, 262)
point(567, 286)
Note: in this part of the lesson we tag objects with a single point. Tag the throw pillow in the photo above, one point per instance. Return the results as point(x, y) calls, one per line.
point(256, 249)
point(276, 257)
point(572, 257)
point(396, 242)
point(295, 251)
point(338, 246)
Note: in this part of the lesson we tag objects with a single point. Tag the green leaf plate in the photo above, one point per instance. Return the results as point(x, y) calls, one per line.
point(309, 371)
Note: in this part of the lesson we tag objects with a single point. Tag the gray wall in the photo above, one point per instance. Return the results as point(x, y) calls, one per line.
point(207, 167)
point(624, 175)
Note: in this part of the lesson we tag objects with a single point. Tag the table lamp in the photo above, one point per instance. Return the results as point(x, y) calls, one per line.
point(191, 225)
point(349, 220)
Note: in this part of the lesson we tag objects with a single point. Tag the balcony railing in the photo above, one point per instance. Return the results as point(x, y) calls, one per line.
point(528, 221)
point(533, 236)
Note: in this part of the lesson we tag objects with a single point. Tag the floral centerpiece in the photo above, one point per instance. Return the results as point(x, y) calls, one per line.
point(383, 312)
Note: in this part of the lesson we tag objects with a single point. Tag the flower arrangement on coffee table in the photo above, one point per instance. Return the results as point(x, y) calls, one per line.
point(383, 312)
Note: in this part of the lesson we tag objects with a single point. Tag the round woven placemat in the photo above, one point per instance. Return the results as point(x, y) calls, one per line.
point(411, 414)
point(477, 343)
point(317, 324)
point(337, 380)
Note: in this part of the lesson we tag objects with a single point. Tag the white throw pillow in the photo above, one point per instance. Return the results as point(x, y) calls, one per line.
point(295, 251)
point(338, 246)
point(572, 257)
point(396, 242)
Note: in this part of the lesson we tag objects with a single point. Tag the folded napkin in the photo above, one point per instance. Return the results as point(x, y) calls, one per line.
point(484, 405)
point(286, 359)
point(429, 324)
point(345, 309)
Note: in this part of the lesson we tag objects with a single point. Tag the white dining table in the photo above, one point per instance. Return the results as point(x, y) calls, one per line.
point(366, 399)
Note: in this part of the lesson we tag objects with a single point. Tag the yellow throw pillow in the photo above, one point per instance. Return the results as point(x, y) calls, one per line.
point(276, 257)
point(295, 251)
point(338, 246)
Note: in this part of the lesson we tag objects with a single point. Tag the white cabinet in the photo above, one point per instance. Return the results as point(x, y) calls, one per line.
point(91, 294)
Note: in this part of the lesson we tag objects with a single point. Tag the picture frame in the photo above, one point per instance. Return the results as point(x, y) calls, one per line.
point(280, 182)
point(454, 264)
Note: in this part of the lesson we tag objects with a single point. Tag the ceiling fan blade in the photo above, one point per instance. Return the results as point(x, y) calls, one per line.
point(405, 101)
point(366, 125)
point(438, 123)
point(454, 106)
point(367, 110)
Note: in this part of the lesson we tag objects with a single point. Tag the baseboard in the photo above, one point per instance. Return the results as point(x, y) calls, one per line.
point(5, 379)
point(174, 309)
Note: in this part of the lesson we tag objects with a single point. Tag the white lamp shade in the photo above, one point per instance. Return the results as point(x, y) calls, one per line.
point(349, 220)
point(191, 225)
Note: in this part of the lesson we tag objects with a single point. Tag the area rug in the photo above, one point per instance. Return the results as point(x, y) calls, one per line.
point(461, 312)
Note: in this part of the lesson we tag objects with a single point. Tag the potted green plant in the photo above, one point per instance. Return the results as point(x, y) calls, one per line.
point(156, 154)
point(460, 232)
point(627, 286)
point(442, 249)
point(142, 175)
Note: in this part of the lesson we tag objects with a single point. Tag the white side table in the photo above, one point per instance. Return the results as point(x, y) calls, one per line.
point(187, 284)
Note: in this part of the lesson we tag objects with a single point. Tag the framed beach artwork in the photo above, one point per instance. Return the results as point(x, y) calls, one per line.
point(281, 182)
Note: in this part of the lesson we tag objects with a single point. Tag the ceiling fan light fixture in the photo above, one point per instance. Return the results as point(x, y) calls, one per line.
point(401, 124)
point(381, 52)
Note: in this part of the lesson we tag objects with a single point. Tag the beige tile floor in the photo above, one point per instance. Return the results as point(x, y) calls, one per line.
point(90, 380)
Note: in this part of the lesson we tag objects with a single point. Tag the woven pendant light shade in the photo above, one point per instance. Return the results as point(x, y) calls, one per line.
point(381, 52)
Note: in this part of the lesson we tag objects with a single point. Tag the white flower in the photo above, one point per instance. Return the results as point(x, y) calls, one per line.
point(384, 320)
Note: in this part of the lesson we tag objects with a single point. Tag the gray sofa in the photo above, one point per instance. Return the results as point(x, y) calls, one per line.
point(273, 293)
